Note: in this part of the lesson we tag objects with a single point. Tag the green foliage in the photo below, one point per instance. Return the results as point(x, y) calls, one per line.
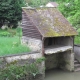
point(37, 3)
point(13, 71)
point(70, 9)
point(11, 32)
point(40, 60)
point(22, 3)
point(5, 34)
point(10, 12)
point(77, 39)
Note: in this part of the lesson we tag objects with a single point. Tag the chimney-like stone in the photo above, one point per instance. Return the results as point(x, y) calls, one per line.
point(52, 4)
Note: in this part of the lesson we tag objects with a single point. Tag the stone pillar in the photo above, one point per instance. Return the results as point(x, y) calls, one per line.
point(68, 61)
point(51, 61)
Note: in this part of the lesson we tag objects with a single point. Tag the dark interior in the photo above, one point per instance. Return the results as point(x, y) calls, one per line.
point(52, 41)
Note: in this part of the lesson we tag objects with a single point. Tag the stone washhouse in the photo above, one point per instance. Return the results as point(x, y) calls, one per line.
point(47, 31)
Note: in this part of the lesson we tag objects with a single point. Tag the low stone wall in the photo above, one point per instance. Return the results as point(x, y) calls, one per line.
point(21, 59)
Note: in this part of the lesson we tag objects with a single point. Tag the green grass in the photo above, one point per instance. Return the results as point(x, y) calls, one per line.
point(11, 45)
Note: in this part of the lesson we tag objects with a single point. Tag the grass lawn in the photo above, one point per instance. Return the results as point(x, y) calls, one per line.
point(11, 45)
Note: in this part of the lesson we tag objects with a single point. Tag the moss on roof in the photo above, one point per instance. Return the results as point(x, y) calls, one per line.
point(50, 22)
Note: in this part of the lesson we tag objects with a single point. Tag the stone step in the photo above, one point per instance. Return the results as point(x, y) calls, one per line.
point(76, 66)
point(77, 69)
point(75, 61)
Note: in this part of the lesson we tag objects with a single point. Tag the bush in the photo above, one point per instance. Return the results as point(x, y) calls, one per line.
point(5, 34)
point(13, 71)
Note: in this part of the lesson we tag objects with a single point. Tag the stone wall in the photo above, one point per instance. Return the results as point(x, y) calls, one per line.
point(22, 59)
point(63, 60)
point(51, 61)
point(68, 57)
point(34, 44)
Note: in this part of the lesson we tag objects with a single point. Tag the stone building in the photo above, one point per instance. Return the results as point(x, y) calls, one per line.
point(47, 31)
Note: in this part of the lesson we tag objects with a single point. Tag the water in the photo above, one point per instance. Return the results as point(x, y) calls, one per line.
point(62, 75)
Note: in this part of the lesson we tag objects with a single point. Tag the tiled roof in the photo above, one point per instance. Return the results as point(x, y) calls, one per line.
point(50, 22)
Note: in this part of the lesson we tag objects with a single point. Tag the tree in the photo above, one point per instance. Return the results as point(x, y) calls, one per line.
point(10, 12)
point(71, 10)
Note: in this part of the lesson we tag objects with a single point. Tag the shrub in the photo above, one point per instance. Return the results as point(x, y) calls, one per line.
point(4, 34)
point(13, 71)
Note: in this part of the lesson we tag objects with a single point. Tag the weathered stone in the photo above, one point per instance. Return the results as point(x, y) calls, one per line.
point(12, 59)
point(51, 61)
point(34, 44)
point(57, 49)
point(23, 57)
point(69, 59)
